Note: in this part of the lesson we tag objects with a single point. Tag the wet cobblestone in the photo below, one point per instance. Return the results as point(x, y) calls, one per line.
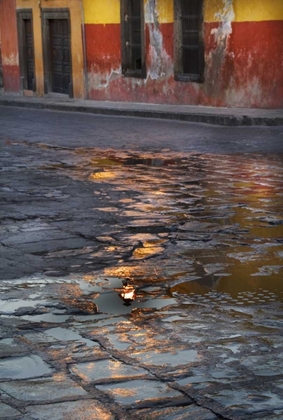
point(200, 235)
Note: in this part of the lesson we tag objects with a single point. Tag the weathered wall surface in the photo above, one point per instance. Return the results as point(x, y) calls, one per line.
point(9, 46)
point(77, 54)
point(1, 74)
point(243, 54)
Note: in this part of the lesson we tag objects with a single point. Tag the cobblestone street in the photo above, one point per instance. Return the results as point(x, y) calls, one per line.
point(193, 216)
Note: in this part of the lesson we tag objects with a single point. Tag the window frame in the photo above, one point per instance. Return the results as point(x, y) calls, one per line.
point(179, 73)
point(125, 34)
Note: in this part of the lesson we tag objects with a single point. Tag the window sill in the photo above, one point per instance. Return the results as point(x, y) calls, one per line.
point(137, 74)
point(197, 78)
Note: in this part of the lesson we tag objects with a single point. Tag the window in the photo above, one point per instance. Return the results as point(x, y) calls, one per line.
point(26, 49)
point(188, 48)
point(132, 33)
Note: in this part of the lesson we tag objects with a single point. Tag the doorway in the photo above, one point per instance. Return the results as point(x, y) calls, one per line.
point(26, 49)
point(57, 52)
point(60, 55)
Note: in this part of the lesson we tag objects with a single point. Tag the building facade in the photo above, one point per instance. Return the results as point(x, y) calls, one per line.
point(1, 74)
point(198, 52)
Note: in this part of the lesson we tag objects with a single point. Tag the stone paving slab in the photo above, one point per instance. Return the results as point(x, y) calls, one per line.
point(71, 410)
point(106, 370)
point(43, 389)
point(23, 367)
point(7, 412)
point(220, 347)
point(176, 413)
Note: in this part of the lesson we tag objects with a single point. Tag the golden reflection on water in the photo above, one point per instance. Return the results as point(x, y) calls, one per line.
point(147, 251)
point(241, 279)
point(238, 192)
point(141, 270)
point(256, 267)
point(102, 175)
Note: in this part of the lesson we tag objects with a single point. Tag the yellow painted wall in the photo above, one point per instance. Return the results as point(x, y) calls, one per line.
point(102, 11)
point(245, 10)
point(76, 16)
point(108, 11)
point(165, 11)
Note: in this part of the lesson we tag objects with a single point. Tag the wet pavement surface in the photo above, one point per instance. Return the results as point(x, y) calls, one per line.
point(199, 235)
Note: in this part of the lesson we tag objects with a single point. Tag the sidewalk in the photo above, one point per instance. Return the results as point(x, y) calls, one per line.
point(189, 113)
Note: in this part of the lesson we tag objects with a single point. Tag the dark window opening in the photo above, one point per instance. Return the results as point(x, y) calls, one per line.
point(189, 51)
point(132, 34)
point(26, 50)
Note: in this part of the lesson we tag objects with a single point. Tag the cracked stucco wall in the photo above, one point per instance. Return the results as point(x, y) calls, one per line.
point(225, 18)
point(219, 59)
point(1, 74)
point(243, 51)
point(9, 46)
point(239, 53)
point(160, 64)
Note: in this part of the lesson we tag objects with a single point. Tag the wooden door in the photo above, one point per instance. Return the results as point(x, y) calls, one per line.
point(60, 59)
point(29, 54)
point(26, 49)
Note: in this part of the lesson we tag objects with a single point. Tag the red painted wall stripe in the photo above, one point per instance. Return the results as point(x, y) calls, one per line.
point(9, 41)
point(247, 72)
point(103, 47)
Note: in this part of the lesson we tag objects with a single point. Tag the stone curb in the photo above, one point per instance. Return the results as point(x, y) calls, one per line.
point(189, 116)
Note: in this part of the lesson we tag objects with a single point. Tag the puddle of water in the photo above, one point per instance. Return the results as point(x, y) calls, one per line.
point(108, 300)
point(49, 317)
point(11, 306)
point(112, 304)
point(241, 285)
point(86, 299)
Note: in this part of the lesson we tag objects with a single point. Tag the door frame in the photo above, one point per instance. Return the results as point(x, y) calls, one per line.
point(23, 14)
point(47, 15)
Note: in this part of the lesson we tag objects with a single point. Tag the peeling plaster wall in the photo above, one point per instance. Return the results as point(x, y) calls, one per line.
point(159, 63)
point(225, 18)
point(1, 74)
point(103, 48)
point(244, 54)
point(9, 46)
point(243, 49)
point(243, 43)
point(219, 60)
